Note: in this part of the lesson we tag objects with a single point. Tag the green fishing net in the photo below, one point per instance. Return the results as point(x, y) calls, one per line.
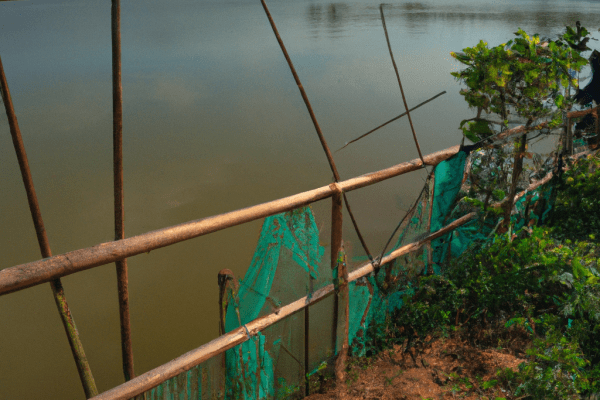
point(292, 261)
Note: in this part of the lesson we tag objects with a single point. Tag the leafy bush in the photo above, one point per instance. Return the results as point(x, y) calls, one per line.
point(543, 279)
point(522, 76)
point(577, 208)
point(539, 280)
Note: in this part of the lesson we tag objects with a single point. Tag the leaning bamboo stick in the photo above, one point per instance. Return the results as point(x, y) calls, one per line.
point(121, 265)
point(387, 38)
point(34, 273)
point(302, 93)
point(83, 368)
point(313, 117)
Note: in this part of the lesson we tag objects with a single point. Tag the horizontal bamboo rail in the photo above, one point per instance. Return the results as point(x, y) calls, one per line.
point(231, 339)
point(34, 273)
point(577, 114)
point(217, 346)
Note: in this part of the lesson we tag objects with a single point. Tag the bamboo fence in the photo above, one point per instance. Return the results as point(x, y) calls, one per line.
point(52, 268)
point(34, 273)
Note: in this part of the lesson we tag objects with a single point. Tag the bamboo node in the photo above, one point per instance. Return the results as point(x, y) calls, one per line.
point(336, 187)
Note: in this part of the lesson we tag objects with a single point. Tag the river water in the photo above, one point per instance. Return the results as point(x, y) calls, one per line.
point(213, 122)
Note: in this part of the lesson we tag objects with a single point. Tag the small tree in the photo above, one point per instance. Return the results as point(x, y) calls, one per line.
point(525, 78)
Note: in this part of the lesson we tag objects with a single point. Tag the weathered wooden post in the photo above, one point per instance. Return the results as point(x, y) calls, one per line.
point(340, 281)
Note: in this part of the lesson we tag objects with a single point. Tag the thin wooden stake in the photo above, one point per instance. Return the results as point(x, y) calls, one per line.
point(400, 84)
point(303, 93)
point(391, 120)
point(121, 265)
point(83, 367)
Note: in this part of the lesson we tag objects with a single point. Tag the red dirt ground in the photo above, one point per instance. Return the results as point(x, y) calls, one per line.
point(446, 368)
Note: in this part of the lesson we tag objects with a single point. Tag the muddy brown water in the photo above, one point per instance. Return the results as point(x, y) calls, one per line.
point(212, 122)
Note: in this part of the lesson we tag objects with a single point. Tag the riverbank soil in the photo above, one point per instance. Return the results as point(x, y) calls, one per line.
point(442, 368)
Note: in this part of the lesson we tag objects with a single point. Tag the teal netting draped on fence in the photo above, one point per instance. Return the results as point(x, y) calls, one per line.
point(290, 262)
point(286, 266)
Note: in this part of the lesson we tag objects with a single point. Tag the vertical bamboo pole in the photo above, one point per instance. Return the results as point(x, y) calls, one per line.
point(340, 276)
point(336, 175)
point(520, 145)
point(121, 265)
point(429, 248)
point(569, 144)
point(344, 301)
point(225, 279)
point(306, 349)
point(400, 84)
point(83, 368)
point(256, 340)
point(568, 135)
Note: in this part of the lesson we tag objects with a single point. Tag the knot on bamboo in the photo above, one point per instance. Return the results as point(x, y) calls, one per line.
point(337, 189)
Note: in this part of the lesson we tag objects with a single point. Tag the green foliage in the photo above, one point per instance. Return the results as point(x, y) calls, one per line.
point(557, 369)
point(577, 207)
point(541, 281)
point(523, 76)
point(538, 281)
point(286, 390)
